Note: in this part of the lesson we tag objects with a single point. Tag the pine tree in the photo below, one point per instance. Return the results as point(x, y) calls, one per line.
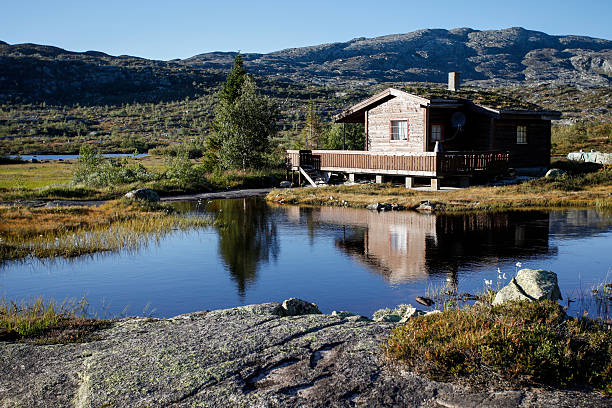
point(230, 90)
point(234, 81)
point(244, 127)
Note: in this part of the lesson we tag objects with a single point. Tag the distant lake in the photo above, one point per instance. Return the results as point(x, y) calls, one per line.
point(339, 258)
point(29, 157)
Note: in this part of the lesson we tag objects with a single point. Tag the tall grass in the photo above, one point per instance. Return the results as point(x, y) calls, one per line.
point(47, 322)
point(30, 318)
point(75, 231)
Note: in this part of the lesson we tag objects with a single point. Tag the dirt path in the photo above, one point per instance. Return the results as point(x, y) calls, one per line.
point(219, 195)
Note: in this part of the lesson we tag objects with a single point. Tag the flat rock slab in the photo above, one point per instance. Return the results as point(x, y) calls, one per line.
point(241, 357)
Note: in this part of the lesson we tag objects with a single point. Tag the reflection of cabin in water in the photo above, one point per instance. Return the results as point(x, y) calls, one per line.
point(407, 246)
point(436, 133)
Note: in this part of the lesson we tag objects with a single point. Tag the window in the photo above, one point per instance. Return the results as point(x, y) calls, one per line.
point(436, 133)
point(399, 130)
point(521, 134)
point(398, 238)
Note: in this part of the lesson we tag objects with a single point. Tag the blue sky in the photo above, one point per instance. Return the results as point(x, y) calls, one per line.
point(180, 29)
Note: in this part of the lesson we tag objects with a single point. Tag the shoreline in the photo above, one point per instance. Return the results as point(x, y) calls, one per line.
point(473, 199)
point(217, 195)
point(248, 355)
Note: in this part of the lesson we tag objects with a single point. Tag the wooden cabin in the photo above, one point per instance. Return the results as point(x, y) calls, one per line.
point(436, 133)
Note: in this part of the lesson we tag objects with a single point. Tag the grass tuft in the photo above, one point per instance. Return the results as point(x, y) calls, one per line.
point(47, 322)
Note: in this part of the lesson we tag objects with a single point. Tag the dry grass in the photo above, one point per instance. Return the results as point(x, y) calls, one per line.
point(74, 231)
point(533, 194)
point(517, 343)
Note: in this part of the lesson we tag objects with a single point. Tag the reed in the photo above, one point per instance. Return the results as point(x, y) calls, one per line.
point(75, 231)
point(46, 321)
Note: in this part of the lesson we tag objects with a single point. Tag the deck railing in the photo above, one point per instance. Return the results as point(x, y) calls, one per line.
point(467, 162)
point(426, 163)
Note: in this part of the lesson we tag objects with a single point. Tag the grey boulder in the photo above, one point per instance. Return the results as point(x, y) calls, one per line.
point(401, 314)
point(296, 307)
point(145, 194)
point(380, 207)
point(555, 173)
point(530, 285)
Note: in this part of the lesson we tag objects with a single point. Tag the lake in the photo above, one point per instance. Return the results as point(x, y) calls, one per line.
point(29, 157)
point(339, 258)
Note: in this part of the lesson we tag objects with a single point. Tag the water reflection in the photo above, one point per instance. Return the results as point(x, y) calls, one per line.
point(392, 243)
point(409, 246)
point(247, 236)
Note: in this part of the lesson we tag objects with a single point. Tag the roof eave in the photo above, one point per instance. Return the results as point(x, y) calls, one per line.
point(548, 115)
point(381, 97)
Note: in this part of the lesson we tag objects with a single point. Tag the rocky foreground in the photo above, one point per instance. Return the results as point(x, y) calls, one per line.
point(251, 356)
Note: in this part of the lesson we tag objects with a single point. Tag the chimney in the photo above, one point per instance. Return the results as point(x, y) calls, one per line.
point(453, 81)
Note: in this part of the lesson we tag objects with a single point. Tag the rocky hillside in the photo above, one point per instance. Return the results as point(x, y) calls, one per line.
point(37, 73)
point(491, 57)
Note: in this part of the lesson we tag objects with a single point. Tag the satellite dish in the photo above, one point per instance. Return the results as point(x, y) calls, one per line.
point(458, 120)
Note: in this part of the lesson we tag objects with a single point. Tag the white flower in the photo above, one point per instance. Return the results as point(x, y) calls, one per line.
point(504, 276)
point(518, 264)
point(488, 282)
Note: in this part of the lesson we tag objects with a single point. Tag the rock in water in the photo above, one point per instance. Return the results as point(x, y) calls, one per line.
point(554, 173)
point(426, 206)
point(296, 307)
point(531, 285)
point(372, 207)
point(145, 194)
point(424, 301)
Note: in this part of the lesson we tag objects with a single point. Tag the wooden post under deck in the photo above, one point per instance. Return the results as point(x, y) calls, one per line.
point(409, 182)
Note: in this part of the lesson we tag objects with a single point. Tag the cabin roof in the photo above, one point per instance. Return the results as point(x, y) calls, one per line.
point(486, 101)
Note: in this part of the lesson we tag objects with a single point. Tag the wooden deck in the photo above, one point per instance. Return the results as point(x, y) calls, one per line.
point(426, 164)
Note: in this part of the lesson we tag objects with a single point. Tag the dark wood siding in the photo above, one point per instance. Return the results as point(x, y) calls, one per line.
point(535, 153)
point(473, 136)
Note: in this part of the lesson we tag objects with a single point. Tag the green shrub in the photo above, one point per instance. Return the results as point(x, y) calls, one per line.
point(183, 171)
point(521, 342)
point(94, 171)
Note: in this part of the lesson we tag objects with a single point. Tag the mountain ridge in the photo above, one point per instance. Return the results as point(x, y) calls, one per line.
point(494, 56)
point(511, 56)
